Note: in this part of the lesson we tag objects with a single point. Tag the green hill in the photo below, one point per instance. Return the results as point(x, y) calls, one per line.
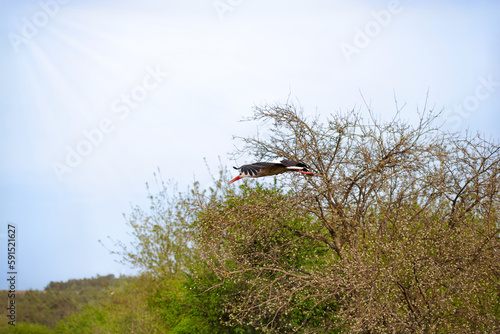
point(59, 299)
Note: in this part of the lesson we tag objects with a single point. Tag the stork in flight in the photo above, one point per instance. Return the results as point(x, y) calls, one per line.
point(259, 169)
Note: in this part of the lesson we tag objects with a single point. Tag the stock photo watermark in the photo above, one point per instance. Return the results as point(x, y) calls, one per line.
point(222, 7)
point(32, 25)
point(485, 87)
point(121, 106)
point(11, 273)
point(364, 36)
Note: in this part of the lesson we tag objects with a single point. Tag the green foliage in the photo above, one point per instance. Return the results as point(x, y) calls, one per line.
point(180, 310)
point(91, 319)
point(25, 328)
point(207, 300)
point(59, 299)
point(177, 285)
point(82, 286)
point(163, 246)
point(264, 234)
point(124, 309)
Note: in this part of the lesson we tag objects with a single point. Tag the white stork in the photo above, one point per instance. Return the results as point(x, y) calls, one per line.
point(259, 169)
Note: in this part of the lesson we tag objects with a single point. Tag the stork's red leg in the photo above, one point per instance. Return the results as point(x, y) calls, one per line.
point(307, 173)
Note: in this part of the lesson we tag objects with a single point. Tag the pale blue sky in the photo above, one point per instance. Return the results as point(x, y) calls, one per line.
point(166, 83)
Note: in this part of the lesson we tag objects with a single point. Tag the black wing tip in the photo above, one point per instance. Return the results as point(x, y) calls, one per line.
point(289, 163)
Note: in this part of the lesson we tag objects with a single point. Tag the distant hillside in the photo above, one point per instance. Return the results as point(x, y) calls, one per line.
point(59, 299)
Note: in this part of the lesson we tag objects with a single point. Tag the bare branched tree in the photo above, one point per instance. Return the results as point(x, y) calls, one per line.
point(399, 233)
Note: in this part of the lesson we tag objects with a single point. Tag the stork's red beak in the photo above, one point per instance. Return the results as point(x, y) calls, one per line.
point(235, 179)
